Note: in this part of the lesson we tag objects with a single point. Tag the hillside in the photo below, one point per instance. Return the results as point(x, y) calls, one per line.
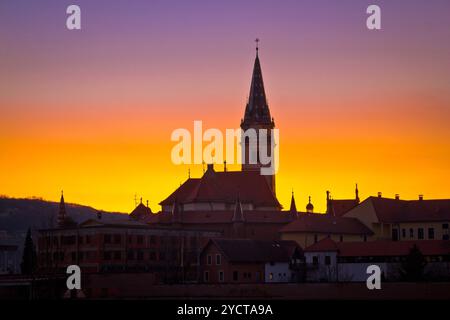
point(17, 215)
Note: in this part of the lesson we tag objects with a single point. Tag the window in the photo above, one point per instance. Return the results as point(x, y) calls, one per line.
point(209, 260)
point(74, 256)
point(152, 255)
point(152, 240)
point(271, 276)
point(420, 233)
point(445, 226)
point(341, 238)
point(206, 276)
point(394, 234)
point(117, 238)
point(365, 238)
point(140, 255)
point(431, 233)
point(88, 239)
point(107, 238)
point(315, 238)
point(221, 276)
point(218, 259)
point(411, 233)
point(315, 260)
point(162, 256)
point(140, 239)
point(130, 255)
point(403, 233)
point(445, 237)
point(235, 275)
point(107, 255)
point(327, 260)
point(117, 255)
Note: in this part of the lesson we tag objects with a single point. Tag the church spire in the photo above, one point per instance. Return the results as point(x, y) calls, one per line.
point(293, 208)
point(257, 109)
point(257, 118)
point(62, 211)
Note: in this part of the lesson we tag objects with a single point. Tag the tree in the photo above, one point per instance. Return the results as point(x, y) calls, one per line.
point(29, 259)
point(412, 269)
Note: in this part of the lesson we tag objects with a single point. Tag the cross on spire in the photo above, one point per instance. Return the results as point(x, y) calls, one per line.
point(257, 45)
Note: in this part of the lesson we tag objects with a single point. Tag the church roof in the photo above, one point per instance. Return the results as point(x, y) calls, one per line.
point(223, 217)
point(215, 186)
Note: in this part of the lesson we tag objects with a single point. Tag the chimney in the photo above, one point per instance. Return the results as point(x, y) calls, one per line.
point(225, 166)
point(99, 215)
point(420, 197)
point(397, 196)
point(379, 194)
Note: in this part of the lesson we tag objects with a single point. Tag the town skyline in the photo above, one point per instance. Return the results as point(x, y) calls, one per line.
point(96, 117)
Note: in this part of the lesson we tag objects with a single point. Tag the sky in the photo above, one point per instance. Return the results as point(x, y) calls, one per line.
point(91, 111)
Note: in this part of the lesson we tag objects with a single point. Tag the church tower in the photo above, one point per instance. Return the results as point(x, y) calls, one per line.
point(257, 117)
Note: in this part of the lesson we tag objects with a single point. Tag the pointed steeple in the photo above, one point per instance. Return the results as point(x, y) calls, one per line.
point(293, 208)
point(257, 109)
point(62, 211)
point(357, 193)
point(238, 214)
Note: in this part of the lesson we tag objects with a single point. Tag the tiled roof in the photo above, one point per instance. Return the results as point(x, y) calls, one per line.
point(325, 223)
point(340, 206)
point(394, 210)
point(381, 247)
point(140, 212)
point(205, 217)
point(324, 245)
point(215, 186)
point(246, 250)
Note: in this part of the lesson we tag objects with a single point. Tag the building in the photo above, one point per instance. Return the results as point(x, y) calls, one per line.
point(328, 260)
point(311, 228)
point(9, 259)
point(251, 261)
point(122, 246)
point(398, 219)
point(10, 253)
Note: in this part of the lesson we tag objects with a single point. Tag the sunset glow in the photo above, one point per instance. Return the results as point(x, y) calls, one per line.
point(92, 112)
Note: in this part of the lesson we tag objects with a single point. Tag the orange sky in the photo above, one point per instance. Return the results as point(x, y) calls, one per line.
point(92, 112)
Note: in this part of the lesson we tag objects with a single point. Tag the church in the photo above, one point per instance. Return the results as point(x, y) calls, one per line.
point(243, 204)
point(240, 204)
